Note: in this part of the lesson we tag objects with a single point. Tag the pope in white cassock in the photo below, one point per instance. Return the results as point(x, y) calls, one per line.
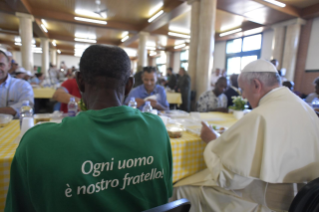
point(261, 162)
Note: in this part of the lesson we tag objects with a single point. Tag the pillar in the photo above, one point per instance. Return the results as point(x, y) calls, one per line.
point(278, 44)
point(142, 51)
point(193, 46)
point(26, 34)
point(206, 44)
point(58, 61)
point(53, 54)
point(291, 48)
point(45, 56)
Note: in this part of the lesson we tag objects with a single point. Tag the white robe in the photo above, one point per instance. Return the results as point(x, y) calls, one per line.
point(261, 161)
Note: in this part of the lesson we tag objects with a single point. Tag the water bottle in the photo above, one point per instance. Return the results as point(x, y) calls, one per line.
point(72, 107)
point(132, 103)
point(147, 107)
point(315, 104)
point(25, 111)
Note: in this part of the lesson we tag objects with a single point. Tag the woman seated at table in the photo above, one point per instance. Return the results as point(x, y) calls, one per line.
point(37, 79)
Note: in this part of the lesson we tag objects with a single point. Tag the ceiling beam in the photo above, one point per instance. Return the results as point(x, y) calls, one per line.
point(64, 17)
point(161, 21)
point(290, 10)
point(310, 12)
point(71, 39)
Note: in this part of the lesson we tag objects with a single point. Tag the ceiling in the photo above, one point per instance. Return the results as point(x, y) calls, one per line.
point(129, 17)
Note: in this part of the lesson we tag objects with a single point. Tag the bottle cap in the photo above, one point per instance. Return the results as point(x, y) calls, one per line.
point(147, 102)
point(72, 99)
point(25, 103)
point(132, 99)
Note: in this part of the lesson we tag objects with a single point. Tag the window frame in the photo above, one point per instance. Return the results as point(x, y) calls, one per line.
point(244, 54)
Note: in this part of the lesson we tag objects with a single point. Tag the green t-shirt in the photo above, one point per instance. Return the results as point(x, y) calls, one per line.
point(115, 159)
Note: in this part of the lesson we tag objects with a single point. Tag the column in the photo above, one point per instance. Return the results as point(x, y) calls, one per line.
point(291, 48)
point(53, 54)
point(193, 46)
point(58, 61)
point(142, 51)
point(206, 42)
point(26, 34)
point(278, 44)
point(45, 56)
point(168, 59)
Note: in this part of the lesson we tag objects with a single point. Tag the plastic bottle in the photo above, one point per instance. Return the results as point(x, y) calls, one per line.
point(315, 104)
point(132, 103)
point(25, 111)
point(147, 107)
point(72, 107)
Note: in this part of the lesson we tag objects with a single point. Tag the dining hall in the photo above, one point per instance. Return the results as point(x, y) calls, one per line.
point(159, 105)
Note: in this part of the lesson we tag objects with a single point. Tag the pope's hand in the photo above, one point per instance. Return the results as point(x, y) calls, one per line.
point(207, 133)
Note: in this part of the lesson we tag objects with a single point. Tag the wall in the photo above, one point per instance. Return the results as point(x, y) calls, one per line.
point(266, 49)
point(37, 58)
point(312, 62)
point(177, 62)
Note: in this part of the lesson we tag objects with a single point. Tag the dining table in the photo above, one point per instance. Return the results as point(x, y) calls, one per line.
point(43, 93)
point(187, 150)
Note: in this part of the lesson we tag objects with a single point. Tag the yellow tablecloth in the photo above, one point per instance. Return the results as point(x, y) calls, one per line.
point(187, 151)
point(174, 98)
point(43, 93)
point(7, 151)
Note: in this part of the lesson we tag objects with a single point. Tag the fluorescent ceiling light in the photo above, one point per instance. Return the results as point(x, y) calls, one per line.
point(90, 20)
point(81, 46)
point(179, 35)
point(230, 32)
point(90, 13)
point(124, 34)
point(53, 43)
point(155, 8)
point(151, 48)
point(279, 4)
point(178, 29)
point(17, 39)
point(85, 40)
point(59, 51)
point(44, 29)
point(180, 46)
point(44, 22)
point(18, 44)
point(125, 38)
point(155, 16)
point(85, 35)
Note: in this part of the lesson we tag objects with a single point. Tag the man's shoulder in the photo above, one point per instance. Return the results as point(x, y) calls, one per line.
point(159, 87)
point(20, 82)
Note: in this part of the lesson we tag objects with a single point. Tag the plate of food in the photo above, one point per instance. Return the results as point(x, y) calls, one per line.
point(197, 129)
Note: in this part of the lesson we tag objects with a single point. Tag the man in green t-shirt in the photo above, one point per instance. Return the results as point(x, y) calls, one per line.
point(109, 158)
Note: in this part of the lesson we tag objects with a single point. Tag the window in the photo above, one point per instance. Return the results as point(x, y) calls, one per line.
point(184, 59)
point(241, 51)
point(161, 63)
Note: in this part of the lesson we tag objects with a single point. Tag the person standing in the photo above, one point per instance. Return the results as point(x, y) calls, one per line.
point(214, 77)
point(184, 87)
point(232, 89)
point(172, 79)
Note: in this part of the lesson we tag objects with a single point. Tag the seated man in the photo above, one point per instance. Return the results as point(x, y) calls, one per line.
point(314, 95)
point(260, 161)
point(12, 91)
point(68, 89)
point(232, 90)
point(214, 100)
point(289, 84)
point(20, 73)
point(100, 160)
point(149, 88)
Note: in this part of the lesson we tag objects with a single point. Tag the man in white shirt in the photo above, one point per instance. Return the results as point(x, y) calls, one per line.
point(214, 100)
point(260, 162)
point(214, 77)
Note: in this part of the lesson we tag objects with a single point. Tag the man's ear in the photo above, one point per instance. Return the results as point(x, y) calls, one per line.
point(80, 82)
point(129, 85)
point(257, 85)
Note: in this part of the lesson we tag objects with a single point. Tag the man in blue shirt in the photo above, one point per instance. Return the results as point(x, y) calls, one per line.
point(12, 91)
point(147, 89)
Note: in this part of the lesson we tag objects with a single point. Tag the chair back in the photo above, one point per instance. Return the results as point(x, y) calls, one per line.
point(307, 199)
point(181, 205)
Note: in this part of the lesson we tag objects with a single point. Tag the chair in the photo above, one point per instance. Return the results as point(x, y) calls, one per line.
point(181, 205)
point(307, 199)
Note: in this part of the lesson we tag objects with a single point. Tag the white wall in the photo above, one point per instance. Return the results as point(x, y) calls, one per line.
point(312, 62)
point(70, 61)
point(220, 55)
point(266, 49)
